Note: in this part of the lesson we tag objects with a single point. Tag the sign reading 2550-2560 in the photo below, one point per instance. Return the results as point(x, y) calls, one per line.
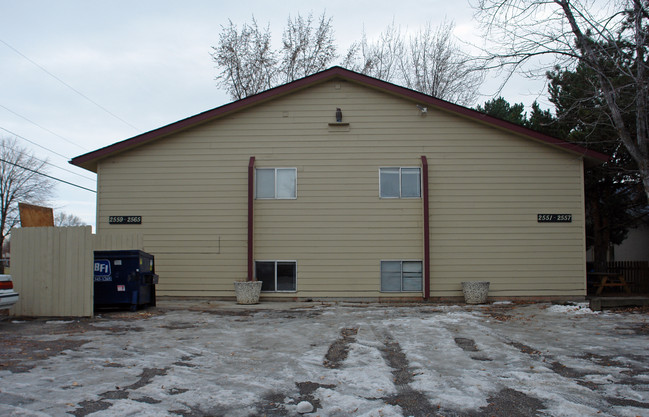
point(124, 219)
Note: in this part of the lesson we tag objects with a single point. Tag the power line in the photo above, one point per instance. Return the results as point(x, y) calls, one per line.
point(45, 162)
point(69, 86)
point(45, 129)
point(64, 169)
point(34, 143)
point(48, 176)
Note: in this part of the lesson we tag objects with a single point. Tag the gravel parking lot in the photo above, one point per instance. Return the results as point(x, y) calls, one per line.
point(214, 358)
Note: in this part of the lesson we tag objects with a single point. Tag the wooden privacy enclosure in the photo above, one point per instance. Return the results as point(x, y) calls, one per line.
point(636, 274)
point(52, 268)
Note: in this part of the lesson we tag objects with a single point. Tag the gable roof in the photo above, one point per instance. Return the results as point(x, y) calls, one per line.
point(89, 160)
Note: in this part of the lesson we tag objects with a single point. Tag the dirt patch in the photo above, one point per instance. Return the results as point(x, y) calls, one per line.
point(21, 347)
point(119, 393)
point(119, 330)
point(202, 410)
point(179, 326)
point(396, 359)
point(306, 392)
point(185, 364)
point(623, 402)
point(499, 316)
point(641, 329)
point(636, 367)
point(602, 360)
point(88, 407)
point(467, 345)
point(185, 361)
point(176, 391)
point(310, 313)
point(126, 315)
point(632, 310)
point(19, 354)
point(274, 403)
point(25, 341)
point(147, 400)
point(229, 313)
point(509, 402)
point(561, 369)
point(528, 350)
point(499, 312)
point(146, 377)
point(566, 371)
point(191, 412)
point(574, 374)
point(413, 403)
point(339, 349)
point(44, 326)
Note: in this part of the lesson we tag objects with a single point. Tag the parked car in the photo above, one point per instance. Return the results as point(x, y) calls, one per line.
point(8, 297)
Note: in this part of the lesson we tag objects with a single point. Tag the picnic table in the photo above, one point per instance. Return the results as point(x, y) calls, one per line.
point(608, 279)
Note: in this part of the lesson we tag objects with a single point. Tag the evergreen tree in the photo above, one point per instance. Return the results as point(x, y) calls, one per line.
point(500, 108)
point(609, 45)
point(614, 192)
point(543, 121)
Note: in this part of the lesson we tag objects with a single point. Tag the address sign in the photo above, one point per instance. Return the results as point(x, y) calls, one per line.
point(124, 219)
point(554, 218)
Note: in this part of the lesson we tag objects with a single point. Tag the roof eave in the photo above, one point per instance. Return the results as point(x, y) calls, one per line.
point(90, 160)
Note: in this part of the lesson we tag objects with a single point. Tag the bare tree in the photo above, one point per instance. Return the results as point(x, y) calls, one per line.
point(429, 62)
point(62, 219)
point(248, 64)
point(20, 182)
point(305, 49)
point(435, 65)
point(610, 38)
point(246, 60)
point(379, 59)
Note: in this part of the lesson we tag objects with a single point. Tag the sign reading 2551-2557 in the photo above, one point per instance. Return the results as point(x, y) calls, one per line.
point(554, 218)
point(124, 219)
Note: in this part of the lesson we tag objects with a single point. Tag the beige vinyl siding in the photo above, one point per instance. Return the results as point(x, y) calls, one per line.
point(486, 188)
point(484, 224)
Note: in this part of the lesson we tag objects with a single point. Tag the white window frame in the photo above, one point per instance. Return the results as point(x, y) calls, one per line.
point(400, 183)
point(275, 197)
point(276, 261)
point(401, 261)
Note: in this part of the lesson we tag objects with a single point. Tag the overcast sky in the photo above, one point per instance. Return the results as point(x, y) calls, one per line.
point(79, 75)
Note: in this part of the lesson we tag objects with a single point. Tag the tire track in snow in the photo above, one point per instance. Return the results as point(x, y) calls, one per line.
point(412, 402)
point(339, 349)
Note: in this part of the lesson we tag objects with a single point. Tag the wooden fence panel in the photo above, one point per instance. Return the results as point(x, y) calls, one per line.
point(52, 268)
point(52, 271)
point(636, 274)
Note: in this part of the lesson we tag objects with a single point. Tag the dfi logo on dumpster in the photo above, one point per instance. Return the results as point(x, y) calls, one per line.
point(102, 270)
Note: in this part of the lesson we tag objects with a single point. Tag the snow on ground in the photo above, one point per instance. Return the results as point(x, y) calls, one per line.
point(346, 360)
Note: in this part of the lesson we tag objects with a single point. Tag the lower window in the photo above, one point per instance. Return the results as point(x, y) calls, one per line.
point(401, 276)
point(277, 275)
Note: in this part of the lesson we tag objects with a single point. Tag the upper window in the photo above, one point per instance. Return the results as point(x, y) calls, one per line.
point(401, 276)
point(400, 182)
point(279, 183)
